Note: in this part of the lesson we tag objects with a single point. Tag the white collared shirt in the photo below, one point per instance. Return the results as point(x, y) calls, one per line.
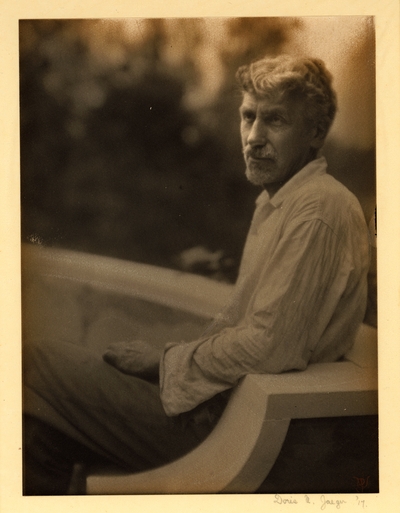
point(299, 298)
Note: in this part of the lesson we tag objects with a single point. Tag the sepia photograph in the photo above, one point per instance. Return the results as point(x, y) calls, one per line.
point(199, 256)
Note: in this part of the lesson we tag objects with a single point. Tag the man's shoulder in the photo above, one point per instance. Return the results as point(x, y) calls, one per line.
point(324, 197)
point(325, 186)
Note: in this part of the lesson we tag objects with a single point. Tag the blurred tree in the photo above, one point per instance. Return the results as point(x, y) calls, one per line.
point(129, 135)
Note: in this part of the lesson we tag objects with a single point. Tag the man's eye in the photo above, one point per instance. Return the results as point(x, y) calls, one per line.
point(248, 117)
point(276, 120)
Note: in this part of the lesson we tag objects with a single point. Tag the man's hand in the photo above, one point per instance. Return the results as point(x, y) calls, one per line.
point(136, 358)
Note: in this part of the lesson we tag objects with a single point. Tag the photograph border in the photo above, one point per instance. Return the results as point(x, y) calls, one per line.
point(388, 192)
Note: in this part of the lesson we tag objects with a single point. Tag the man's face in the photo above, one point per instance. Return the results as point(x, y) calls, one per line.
point(277, 140)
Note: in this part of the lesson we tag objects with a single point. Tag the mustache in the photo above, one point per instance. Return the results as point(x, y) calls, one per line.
point(259, 152)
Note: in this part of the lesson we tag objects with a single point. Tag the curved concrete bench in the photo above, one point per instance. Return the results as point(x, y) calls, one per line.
point(241, 450)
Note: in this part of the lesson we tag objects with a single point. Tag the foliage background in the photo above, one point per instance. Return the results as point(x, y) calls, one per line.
point(129, 131)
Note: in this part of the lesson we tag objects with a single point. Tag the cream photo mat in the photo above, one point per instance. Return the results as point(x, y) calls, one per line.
point(387, 37)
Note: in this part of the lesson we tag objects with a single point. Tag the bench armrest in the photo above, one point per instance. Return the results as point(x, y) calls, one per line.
point(238, 455)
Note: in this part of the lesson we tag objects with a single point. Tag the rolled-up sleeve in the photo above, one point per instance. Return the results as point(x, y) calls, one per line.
point(297, 293)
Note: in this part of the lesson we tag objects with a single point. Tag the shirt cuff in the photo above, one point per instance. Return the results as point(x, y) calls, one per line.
point(183, 385)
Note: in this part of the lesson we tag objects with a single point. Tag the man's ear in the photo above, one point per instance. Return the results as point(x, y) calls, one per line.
point(318, 136)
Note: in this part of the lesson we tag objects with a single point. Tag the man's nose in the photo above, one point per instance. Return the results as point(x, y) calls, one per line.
point(258, 134)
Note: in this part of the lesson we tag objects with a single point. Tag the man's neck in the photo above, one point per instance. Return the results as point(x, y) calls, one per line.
point(273, 188)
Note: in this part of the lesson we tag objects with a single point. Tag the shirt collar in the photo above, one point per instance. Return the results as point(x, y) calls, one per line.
point(314, 168)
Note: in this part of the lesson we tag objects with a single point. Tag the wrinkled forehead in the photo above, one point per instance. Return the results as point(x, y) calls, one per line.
point(273, 101)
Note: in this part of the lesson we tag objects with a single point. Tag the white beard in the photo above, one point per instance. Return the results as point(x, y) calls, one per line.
point(259, 173)
point(257, 176)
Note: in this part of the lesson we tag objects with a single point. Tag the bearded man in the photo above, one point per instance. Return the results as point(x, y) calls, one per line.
point(299, 298)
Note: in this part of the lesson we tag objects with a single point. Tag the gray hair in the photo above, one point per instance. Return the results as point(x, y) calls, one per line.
point(287, 76)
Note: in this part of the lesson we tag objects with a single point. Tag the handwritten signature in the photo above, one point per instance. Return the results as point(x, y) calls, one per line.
point(324, 502)
point(331, 502)
point(280, 500)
